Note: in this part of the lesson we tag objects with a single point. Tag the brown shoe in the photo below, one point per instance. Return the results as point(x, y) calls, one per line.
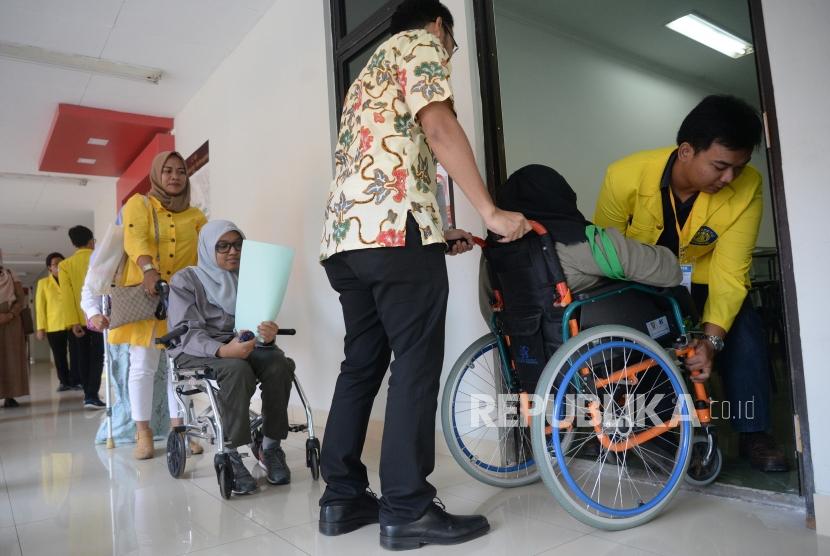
point(763, 453)
point(195, 447)
point(144, 448)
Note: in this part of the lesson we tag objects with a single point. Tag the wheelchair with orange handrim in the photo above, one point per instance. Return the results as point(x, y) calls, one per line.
point(587, 391)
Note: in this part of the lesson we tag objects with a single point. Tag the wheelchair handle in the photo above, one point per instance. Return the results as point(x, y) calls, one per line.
point(286, 332)
point(173, 335)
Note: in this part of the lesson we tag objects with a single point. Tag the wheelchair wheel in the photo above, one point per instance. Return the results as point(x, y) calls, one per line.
point(176, 453)
point(699, 474)
point(631, 402)
point(224, 475)
point(312, 457)
point(484, 436)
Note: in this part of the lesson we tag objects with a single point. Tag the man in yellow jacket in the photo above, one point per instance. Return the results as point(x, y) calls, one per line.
point(51, 322)
point(702, 200)
point(86, 346)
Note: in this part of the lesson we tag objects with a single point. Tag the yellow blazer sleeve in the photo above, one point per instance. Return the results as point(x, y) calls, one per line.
point(69, 303)
point(139, 231)
point(40, 306)
point(730, 262)
point(200, 222)
point(612, 208)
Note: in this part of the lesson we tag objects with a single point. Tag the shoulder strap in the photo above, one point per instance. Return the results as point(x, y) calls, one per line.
point(604, 252)
point(155, 225)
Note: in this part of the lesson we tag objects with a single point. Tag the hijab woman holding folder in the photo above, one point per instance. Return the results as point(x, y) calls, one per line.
point(203, 297)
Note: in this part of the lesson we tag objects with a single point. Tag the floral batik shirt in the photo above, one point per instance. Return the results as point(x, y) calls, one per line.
point(384, 168)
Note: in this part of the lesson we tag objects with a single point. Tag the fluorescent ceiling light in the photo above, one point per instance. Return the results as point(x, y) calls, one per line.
point(708, 34)
point(98, 142)
point(65, 180)
point(89, 161)
point(77, 62)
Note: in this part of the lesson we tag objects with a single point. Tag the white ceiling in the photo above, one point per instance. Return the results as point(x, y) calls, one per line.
point(635, 29)
point(187, 39)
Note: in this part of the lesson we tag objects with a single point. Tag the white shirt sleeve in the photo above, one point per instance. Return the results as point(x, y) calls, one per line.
point(90, 303)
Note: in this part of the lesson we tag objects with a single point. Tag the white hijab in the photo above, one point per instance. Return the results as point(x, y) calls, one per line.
point(220, 284)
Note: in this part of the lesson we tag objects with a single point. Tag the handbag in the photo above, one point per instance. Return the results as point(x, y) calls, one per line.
point(107, 257)
point(131, 303)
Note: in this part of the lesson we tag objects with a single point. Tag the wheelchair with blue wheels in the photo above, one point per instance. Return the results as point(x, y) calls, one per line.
point(207, 424)
point(586, 392)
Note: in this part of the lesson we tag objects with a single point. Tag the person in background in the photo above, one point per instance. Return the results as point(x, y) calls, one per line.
point(86, 346)
point(160, 238)
point(14, 377)
point(203, 297)
point(51, 321)
point(701, 200)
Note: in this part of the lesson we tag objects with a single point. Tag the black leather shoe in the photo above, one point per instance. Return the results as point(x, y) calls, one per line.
point(763, 453)
point(345, 517)
point(436, 526)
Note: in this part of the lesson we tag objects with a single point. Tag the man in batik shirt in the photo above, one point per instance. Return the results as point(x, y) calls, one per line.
point(383, 250)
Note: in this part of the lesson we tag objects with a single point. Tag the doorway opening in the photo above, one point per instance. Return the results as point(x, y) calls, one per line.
point(578, 85)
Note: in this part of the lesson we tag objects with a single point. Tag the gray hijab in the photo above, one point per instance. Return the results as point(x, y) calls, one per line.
point(220, 284)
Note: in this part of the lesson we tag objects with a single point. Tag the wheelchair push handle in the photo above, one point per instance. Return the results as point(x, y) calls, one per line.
point(170, 338)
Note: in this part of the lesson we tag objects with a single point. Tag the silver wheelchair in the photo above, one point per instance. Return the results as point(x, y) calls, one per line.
point(207, 424)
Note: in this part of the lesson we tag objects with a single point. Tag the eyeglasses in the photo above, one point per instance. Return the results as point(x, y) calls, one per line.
point(225, 246)
point(455, 46)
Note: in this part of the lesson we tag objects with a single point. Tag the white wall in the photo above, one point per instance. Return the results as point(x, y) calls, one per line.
point(268, 116)
point(798, 44)
point(576, 107)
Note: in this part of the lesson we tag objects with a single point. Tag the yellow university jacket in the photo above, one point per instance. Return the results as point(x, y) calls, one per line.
point(71, 274)
point(48, 305)
point(176, 249)
point(722, 230)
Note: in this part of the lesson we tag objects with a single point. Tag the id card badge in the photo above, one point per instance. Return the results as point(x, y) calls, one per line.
point(686, 269)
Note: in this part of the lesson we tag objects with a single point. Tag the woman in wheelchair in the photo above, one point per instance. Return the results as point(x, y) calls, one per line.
point(203, 297)
point(587, 253)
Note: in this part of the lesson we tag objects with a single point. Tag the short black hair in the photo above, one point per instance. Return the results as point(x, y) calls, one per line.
point(80, 235)
point(725, 119)
point(51, 256)
point(415, 14)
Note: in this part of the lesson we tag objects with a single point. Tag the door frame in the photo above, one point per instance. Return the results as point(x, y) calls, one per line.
point(496, 173)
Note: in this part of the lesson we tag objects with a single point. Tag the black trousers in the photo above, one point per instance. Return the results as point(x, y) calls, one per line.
point(58, 343)
point(393, 300)
point(237, 383)
point(744, 366)
point(87, 353)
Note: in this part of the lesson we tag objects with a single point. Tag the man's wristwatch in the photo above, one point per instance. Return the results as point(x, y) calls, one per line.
point(147, 268)
point(716, 341)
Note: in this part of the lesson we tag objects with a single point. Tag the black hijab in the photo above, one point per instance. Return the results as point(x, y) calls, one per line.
point(542, 194)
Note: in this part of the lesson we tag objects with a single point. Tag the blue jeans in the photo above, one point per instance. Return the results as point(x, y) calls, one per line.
point(744, 367)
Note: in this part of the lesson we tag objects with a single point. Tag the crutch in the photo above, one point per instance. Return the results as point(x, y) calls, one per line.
point(105, 309)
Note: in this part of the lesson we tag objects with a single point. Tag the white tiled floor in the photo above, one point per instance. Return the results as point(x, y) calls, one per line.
point(59, 494)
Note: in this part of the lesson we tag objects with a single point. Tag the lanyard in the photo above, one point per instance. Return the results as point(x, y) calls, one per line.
point(681, 249)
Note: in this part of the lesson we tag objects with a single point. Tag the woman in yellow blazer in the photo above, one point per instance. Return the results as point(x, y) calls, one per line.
point(50, 321)
point(150, 260)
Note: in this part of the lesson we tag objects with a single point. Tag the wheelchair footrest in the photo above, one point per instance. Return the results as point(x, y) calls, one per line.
point(297, 428)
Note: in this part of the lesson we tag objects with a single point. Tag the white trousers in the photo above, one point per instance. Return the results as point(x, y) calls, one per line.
point(144, 362)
